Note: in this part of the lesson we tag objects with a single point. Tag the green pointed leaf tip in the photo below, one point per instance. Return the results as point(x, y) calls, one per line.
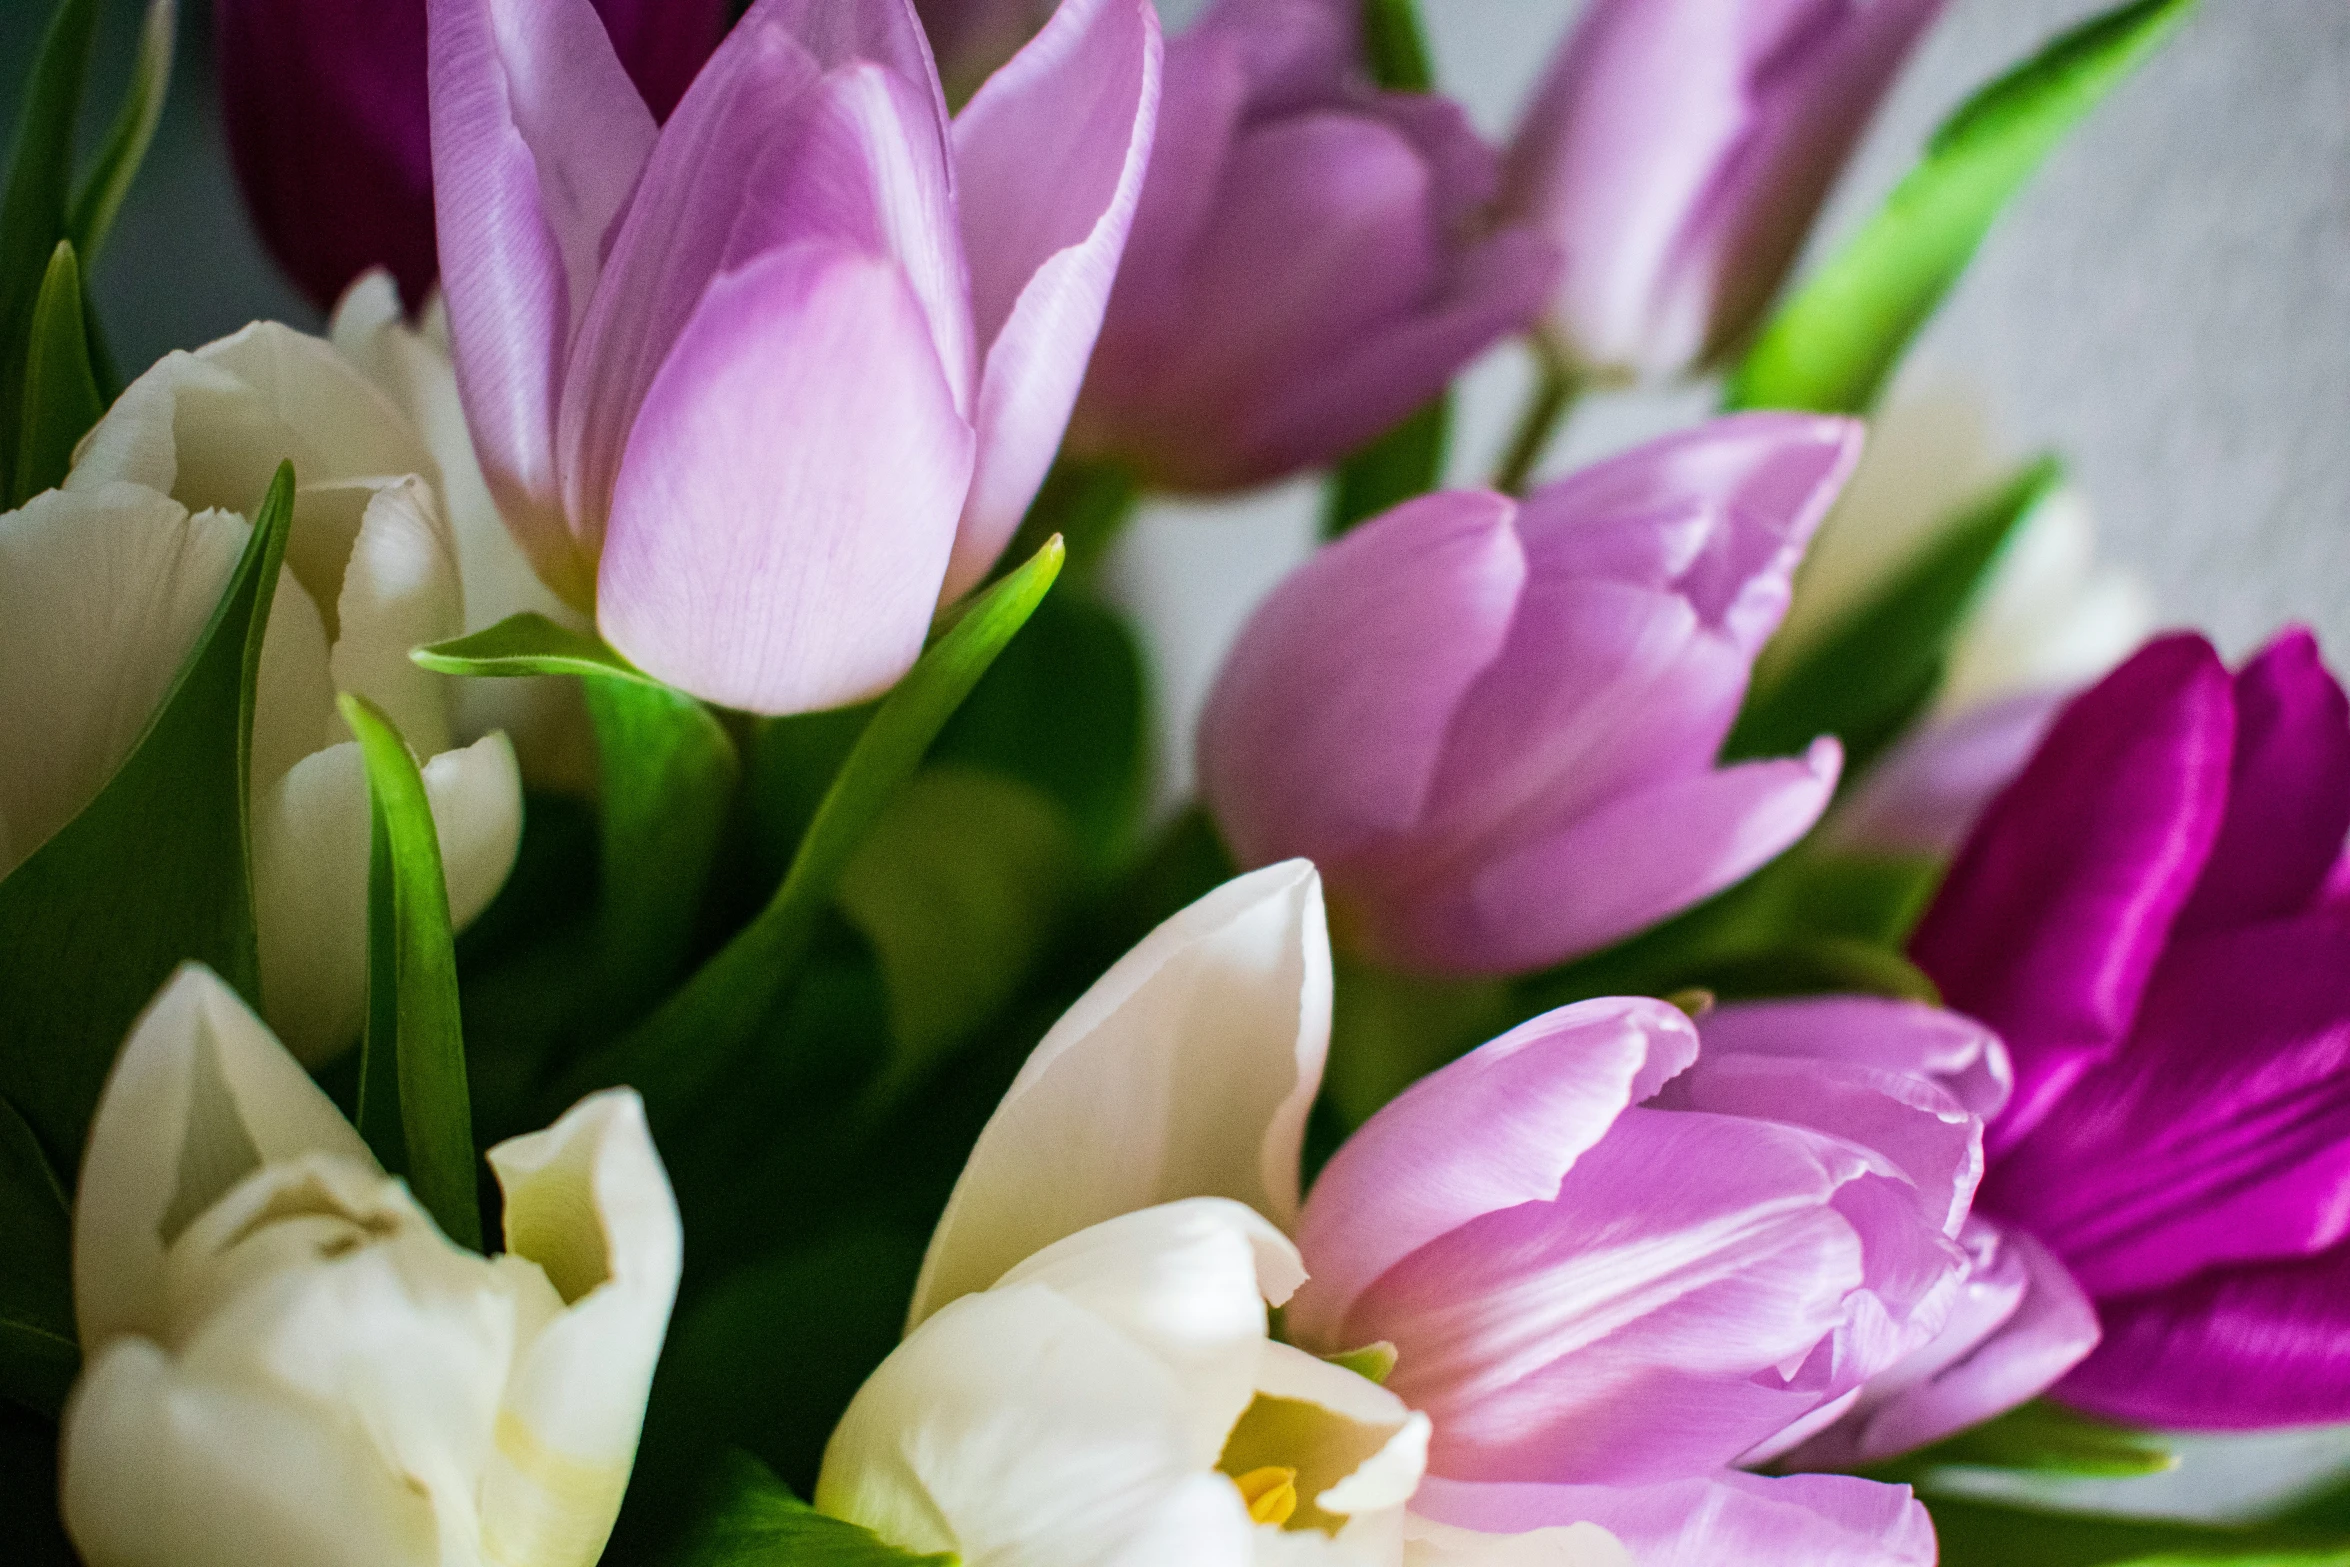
point(33, 211)
point(152, 873)
point(751, 1520)
point(133, 131)
point(528, 644)
point(678, 1053)
point(1833, 345)
point(411, 946)
point(61, 400)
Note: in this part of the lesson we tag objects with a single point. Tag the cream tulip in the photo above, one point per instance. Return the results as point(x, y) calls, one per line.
point(285, 1362)
point(106, 584)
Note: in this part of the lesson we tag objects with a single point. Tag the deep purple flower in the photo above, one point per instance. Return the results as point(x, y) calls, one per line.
point(2145, 916)
point(1493, 724)
point(1312, 259)
point(328, 124)
point(1678, 152)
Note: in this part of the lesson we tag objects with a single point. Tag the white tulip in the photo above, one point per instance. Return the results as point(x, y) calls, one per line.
point(285, 1362)
point(1114, 1399)
point(106, 584)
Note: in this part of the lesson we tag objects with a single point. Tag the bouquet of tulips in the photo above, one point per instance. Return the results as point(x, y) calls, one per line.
point(590, 968)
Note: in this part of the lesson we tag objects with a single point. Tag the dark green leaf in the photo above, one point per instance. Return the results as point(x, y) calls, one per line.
point(2051, 1439)
point(752, 1521)
point(125, 148)
point(683, 1049)
point(1395, 46)
point(1983, 1534)
point(1388, 1030)
point(61, 391)
point(28, 1492)
point(414, 1105)
point(528, 644)
point(153, 873)
point(39, 1352)
point(33, 212)
point(1871, 674)
point(1835, 343)
point(1407, 461)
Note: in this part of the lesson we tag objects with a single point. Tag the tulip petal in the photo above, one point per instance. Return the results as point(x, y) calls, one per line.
point(1049, 161)
point(1956, 1052)
point(476, 798)
point(1186, 1071)
point(200, 1097)
point(588, 1201)
point(1797, 1521)
point(2050, 922)
point(1430, 1544)
point(2288, 792)
point(1926, 795)
point(400, 591)
point(1500, 1127)
point(788, 573)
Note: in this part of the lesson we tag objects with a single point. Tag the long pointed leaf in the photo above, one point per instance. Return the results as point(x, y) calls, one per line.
point(39, 1352)
point(682, 1050)
point(154, 872)
point(527, 644)
point(133, 131)
point(416, 952)
point(750, 1520)
point(1833, 345)
point(60, 389)
point(34, 208)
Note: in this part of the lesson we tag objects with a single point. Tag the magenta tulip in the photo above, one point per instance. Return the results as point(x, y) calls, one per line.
point(1313, 259)
point(1493, 724)
point(765, 385)
point(2149, 915)
point(1678, 152)
point(327, 120)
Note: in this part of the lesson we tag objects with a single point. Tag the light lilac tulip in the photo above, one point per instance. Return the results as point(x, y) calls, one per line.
point(765, 384)
point(1718, 1520)
point(1678, 151)
point(1493, 724)
point(1312, 260)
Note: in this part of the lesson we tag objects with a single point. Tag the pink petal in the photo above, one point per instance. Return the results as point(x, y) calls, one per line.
point(784, 513)
point(1948, 1048)
point(1810, 1520)
point(1049, 159)
point(1500, 1127)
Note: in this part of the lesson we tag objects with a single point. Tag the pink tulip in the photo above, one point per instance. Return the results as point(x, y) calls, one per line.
point(1678, 152)
point(1493, 724)
point(765, 384)
point(1312, 259)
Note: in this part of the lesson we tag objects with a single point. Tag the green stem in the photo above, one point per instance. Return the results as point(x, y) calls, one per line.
point(1554, 396)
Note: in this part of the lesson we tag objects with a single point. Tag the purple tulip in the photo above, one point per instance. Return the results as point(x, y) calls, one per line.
point(328, 123)
point(764, 385)
point(2149, 916)
point(1493, 724)
point(1678, 152)
point(1312, 260)
point(1806, 1520)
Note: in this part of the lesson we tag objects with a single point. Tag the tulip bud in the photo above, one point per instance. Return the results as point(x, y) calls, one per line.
point(1493, 724)
point(286, 1363)
point(1678, 151)
point(326, 115)
point(1312, 259)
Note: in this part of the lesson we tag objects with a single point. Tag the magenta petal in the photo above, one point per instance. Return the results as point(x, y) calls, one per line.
point(1326, 725)
point(2231, 1351)
point(537, 139)
point(784, 514)
point(1718, 1520)
point(1500, 1127)
point(1926, 796)
point(1948, 1048)
point(2288, 795)
point(2052, 918)
point(1049, 159)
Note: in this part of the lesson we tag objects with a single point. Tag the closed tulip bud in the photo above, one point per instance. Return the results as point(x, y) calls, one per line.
point(1312, 259)
point(1678, 151)
point(761, 387)
point(327, 123)
point(286, 1363)
point(1493, 724)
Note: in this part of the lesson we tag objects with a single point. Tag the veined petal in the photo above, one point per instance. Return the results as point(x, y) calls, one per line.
point(785, 512)
point(1795, 1521)
point(1186, 1071)
point(1049, 160)
point(1431, 1544)
point(1947, 1048)
point(200, 1097)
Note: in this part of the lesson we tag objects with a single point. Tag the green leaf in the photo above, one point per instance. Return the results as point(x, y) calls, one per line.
point(528, 644)
point(154, 872)
point(1375, 1362)
point(752, 1521)
point(1984, 1534)
point(133, 131)
point(33, 211)
point(1395, 46)
point(1835, 343)
point(414, 1105)
point(683, 1049)
point(1872, 673)
point(1407, 461)
point(1087, 504)
point(2048, 1438)
point(39, 1348)
point(28, 1492)
point(61, 400)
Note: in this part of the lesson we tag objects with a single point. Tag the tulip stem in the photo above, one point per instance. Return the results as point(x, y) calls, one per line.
point(1554, 396)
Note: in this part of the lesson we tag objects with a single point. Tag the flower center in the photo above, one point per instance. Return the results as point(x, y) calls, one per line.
point(1270, 1492)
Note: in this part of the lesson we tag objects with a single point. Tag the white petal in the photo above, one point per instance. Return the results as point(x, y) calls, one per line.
point(1355, 1446)
point(200, 1097)
point(400, 591)
point(310, 848)
point(476, 797)
point(1186, 1071)
point(588, 1201)
point(1428, 1544)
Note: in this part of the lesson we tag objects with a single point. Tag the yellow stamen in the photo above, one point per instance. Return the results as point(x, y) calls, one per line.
point(1271, 1493)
